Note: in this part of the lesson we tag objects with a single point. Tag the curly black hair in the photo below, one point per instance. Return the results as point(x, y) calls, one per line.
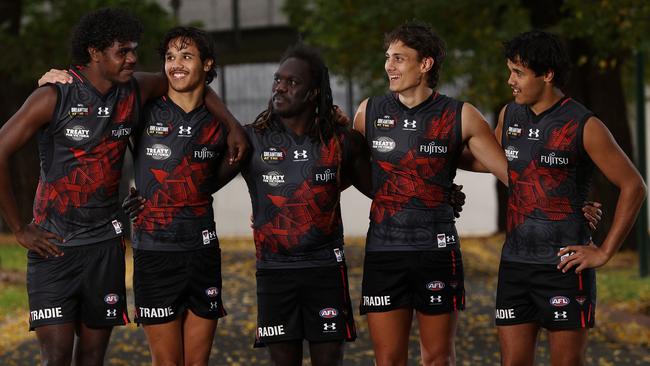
point(421, 37)
point(199, 38)
point(100, 29)
point(541, 52)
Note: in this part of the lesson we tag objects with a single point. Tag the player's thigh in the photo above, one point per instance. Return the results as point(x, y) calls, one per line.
point(568, 347)
point(198, 335)
point(437, 334)
point(517, 343)
point(389, 332)
point(165, 342)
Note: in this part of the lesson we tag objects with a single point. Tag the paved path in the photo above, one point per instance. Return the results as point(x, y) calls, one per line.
point(476, 341)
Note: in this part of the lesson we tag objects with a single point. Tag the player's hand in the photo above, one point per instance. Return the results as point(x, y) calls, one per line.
point(55, 76)
point(36, 239)
point(133, 204)
point(581, 257)
point(457, 199)
point(237, 145)
point(593, 213)
point(340, 118)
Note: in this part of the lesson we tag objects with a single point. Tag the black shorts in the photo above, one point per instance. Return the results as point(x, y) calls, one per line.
point(430, 282)
point(166, 284)
point(540, 293)
point(305, 303)
point(86, 284)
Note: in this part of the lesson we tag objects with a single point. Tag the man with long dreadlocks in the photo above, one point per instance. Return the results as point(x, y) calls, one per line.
point(301, 160)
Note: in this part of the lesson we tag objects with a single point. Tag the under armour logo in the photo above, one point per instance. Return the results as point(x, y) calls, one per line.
point(560, 315)
point(533, 133)
point(214, 305)
point(111, 312)
point(411, 124)
point(299, 154)
point(184, 130)
point(329, 326)
point(451, 238)
point(102, 111)
point(435, 299)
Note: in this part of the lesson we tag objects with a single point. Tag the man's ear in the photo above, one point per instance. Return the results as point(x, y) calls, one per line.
point(549, 76)
point(207, 64)
point(93, 53)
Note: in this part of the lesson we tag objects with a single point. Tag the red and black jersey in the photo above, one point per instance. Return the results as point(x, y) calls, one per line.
point(414, 158)
point(549, 175)
point(176, 160)
point(81, 153)
point(293, 186)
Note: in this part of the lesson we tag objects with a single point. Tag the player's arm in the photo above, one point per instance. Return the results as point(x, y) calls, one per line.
point(357, 168)
point(481, 142)
point(360, 118)
point(467, 160)
point(615, 165)
point(35, 113)
point(227, 171)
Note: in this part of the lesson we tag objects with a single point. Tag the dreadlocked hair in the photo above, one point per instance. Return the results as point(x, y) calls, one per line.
point(324, 127)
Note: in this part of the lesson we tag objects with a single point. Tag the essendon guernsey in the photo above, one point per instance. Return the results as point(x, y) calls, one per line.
point(81, 153)
point(175, 170)
point(414, 158)
point(293, 185)
point(549, 175)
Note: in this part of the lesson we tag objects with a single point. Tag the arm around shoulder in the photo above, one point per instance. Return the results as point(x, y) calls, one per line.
point(360, 117)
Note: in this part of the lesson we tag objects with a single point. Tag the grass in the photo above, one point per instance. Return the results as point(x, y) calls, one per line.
point(12, 297)
point(13, 258)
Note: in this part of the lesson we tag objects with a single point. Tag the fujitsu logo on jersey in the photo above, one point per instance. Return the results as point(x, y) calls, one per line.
point(432, 147)
point(324, 175)
point(554, 159)
point(77, 133)
point(158, 152)
point(204, 154)
point(121, 132)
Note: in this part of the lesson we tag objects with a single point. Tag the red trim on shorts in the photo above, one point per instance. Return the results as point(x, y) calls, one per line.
point(589, 314)
point(582, 317)
point(580, 281)
point(125, 317)
point(455, 306)
point(345, 299)
point(453, 262)
point(77, 75)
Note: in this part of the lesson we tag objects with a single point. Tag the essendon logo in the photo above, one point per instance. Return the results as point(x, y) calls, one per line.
point(328, 313)
point(212, 292)
point(559, 301)
point(581, 299)
point(111, 299)
point(435, 285)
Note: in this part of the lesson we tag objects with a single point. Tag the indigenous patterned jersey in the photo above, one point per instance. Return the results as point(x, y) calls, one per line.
point(81, 153)
point(176, 162)
point(414, 157)
point(293, 186)
point(549, 174)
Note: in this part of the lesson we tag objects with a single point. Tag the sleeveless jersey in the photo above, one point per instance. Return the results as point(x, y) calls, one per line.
point(549, 175)
point(176, 162)
point(414, 158)
point(292, 182)
point(81, 154)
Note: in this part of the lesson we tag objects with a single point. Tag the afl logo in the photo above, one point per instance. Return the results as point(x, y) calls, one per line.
point(328, 313)
point(435, 285)
point(212, 292)
point(111, 299)
point(559, 301)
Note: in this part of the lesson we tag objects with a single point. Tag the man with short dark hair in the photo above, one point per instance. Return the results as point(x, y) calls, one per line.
point(553, 144)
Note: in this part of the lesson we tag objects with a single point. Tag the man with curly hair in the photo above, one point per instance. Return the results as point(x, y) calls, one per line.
point(75, 274)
